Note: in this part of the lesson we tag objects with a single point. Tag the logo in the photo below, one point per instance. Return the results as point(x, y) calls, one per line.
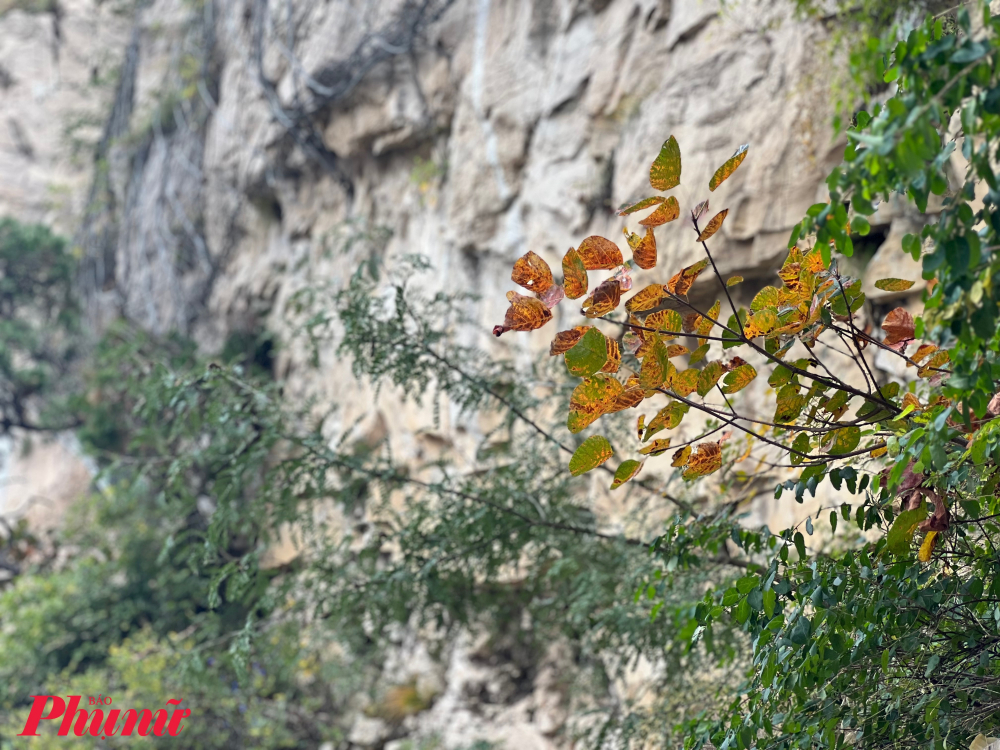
point(141, 722)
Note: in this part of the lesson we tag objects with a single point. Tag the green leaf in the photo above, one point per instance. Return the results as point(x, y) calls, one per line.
point(625, 471)
point(901, 534)
point(770, 598)
point(665, 172)
point(845, 440)
point(588, 355)
point(592, 452)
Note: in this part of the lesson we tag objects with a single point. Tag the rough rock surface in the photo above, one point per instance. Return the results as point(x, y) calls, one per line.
point(244, 142)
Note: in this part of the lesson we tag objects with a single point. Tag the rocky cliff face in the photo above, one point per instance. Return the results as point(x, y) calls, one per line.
point(240, 144)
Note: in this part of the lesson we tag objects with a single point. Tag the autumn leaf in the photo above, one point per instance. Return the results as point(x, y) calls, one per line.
point(927, 548)
point(665, 172)
point(605, 299)
point(733, 280)
point(628, 399)
point(766, 297)
point(845, 440)
point(685, 383)
point(893, 285)
point(625, 471)
point(646, 299)
point(682, 281)
point(644, 254)
point(566, 340)
point(706, 459)
point(738, 379)
point(700, 210)
point(592, 398)
point(898, 326)
point(531, 272)
point(709, 376)
point(699, 354)
point(938, 360)
point(789, 404)
point(667, 418)
point(524, 314)
point(677, 350)
point(723, 172)
point(592, 452)
point(714, 225)
point(599, 254)
point(667, 212)
point(681, 456)
point(665, 320)
point(614, 357)
point(656, 366)
point(903, 528)
point(588, 355)
point(878, 452)
point(704, 327)
point(761, 323)
point(922, 353)
point(574, 275)
point(656, 448)
point(631, 208)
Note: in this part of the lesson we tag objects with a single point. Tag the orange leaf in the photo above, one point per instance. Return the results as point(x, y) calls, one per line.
point(714, 225)
point(706, 459)
point(628, 399)
point(599, 253)
point(665, 172)
point(898, 326)
point(604, 299)
point(723, 172)
point(935, 362)
point(614, 357)
point(667, 212)
point(574, 274)
point(644, 254)
point(566, 340)
point(682, 281)
point(524, 314)
point(646, 299)
point(922, 352)
point(531, 272)
point(676, 350)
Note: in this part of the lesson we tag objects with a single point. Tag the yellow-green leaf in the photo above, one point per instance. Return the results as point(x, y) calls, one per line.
point(789, 404)
point(845, 440)
point(681, 456)
point(665, 172)
point(723, 172)
point(733, 280)
point(698, 354)
point(893, 285)
point(665, 320)
point(766, 297)
point(589, 354)
point(738, 379)
point(655, 366)
point(631, 208)
point(709, 376)
point(901, 534)
point(592, 452)
point(625, 471)
point(658, 446)
point(592, 398)
point(667, 418)
point(685, 383)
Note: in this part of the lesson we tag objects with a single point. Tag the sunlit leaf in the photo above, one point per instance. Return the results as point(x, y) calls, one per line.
point(645, 299)
point(845, 440)
point(667, 418)
point(901, 533)
point(714, 225)
point(605, 299)
point(644, 254)
point(676, 350)
point(599, 254)
point(738, 379)
point(927, 548)
point(667, 212)
point(665, 172)
point(592, 398)
point(933, 364)
point(766, 297)
point(700, 210)
point(706, 459)
point(761, 323)
point(592, 452)
point(631, 208)
point(923, 351)
point(665, 320)
point(709, 376)
point(656, 366)
point(682, 281)
point(878, 452)
point(531, 272)
point(723, 172)
point(898, 326)
point(686, 382)
point(524, 314)
point(574, 275)
point(625, 471)
point(566, 340)
point(733, 280)
point(699, 354)
point(614, 357)
point(893, 285)
point(655, 448)
point(681, 456)
point(813, 262)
